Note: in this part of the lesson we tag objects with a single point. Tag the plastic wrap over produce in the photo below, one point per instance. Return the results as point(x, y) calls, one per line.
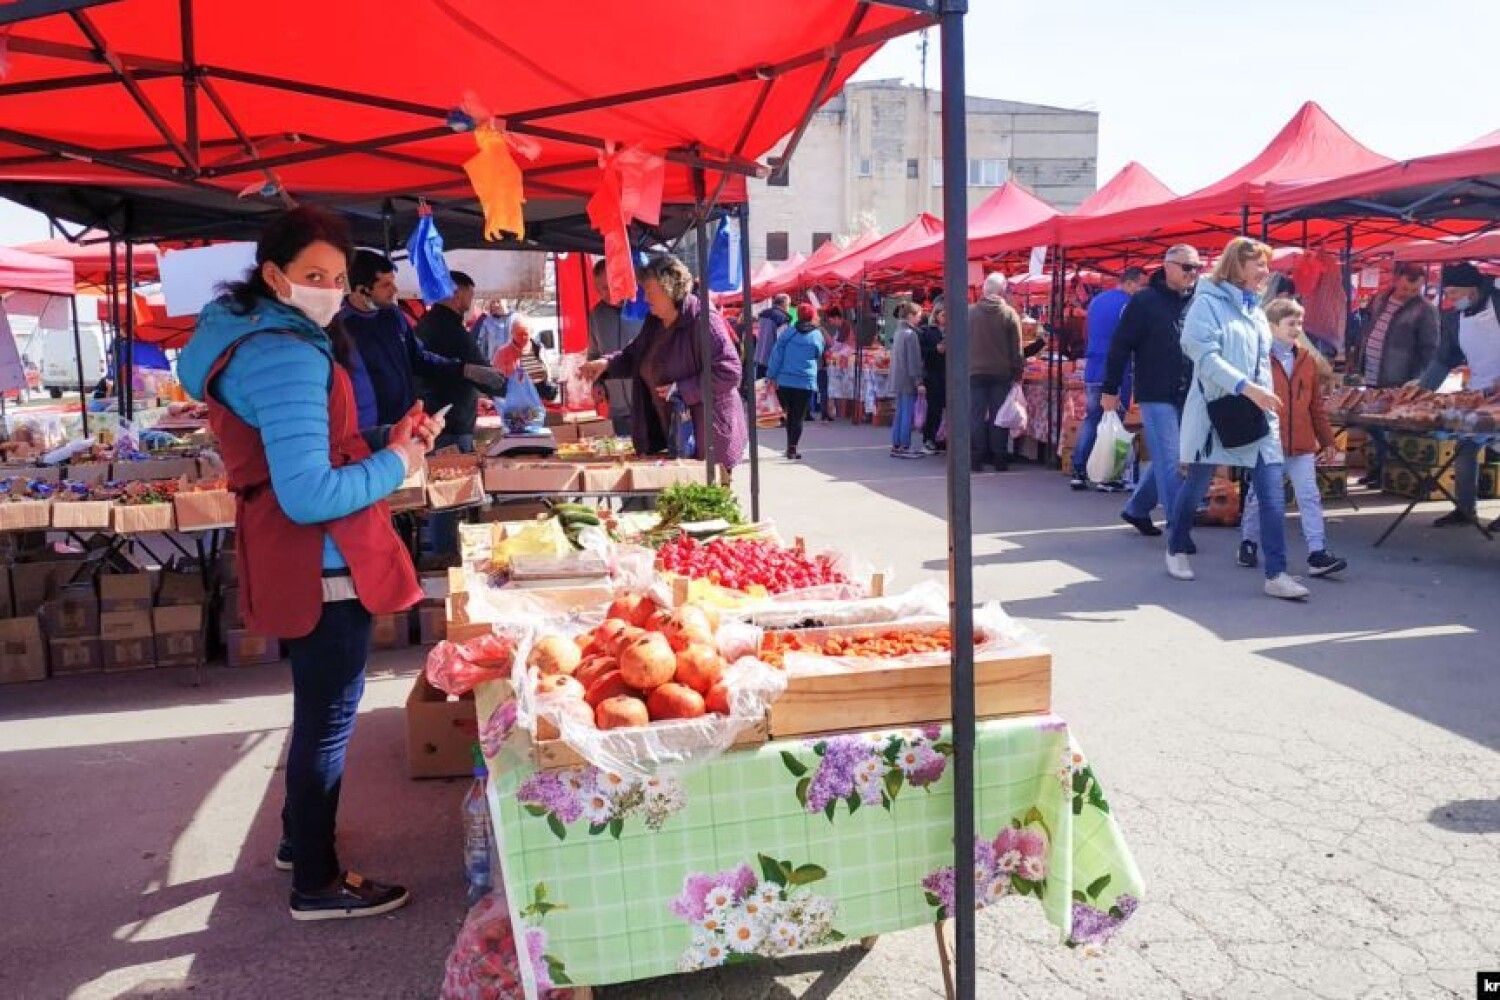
point(457, 668)
point(927, 599)
point(643, 750)
point(996, 636)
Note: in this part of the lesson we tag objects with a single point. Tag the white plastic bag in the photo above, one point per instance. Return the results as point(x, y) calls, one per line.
point(1012, 413)
point(1111, 450)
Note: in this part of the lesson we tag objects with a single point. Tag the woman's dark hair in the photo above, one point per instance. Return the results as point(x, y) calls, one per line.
point(288, 235)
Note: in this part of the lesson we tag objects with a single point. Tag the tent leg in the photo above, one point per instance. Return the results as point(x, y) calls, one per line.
point(960, 538)
point(83, 398)
point(856, 405)
point(127, 387)
point(705, 331)
point(747, 361)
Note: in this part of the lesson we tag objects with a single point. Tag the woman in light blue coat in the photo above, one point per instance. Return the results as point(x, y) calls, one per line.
point(1226, 336)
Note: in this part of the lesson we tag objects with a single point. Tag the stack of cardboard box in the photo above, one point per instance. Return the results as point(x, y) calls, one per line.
point(179, 618)
point(126, 638)
point(432, 613)
point(242, 647)
point(1429, 454)
point(24, 588)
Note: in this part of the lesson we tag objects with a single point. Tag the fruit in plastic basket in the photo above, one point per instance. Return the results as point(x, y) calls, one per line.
point(620, 712)
point(675, 701)
point(595, 667)
point(560, 684)
point(607, 638)
point(606, 687)
point(555, 654)
point(647, 662)
point(688, 625)
point(717, 699)
point(579, 711)
point(699, 666)
point(636, 609)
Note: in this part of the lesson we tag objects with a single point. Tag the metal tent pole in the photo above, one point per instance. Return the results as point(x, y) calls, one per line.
point(960, 539)
point(127, 388)
point(117, 359)
point(747, 360)
point(1346, 267)
point(83, 399)
point(705, 330)
point(856, 405)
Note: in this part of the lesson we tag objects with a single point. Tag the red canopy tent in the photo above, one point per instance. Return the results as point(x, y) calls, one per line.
point(851, 265)
point(89, 255)
point(1485, 246)
point(826, 255)
point(23, 271)
point(1008, 209)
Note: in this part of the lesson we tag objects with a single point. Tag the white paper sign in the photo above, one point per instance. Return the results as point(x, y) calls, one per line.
point(1038, 260)
point(190, 278)
point(1369, 277)
point(12, 372)
point(508, 274)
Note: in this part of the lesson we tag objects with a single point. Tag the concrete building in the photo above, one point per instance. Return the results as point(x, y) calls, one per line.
point(870, 158)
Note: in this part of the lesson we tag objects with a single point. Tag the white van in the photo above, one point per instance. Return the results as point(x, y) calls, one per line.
point(58, 361)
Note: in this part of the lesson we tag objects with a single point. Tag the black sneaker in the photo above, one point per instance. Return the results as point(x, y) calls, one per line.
point(1079, 481)
point(353, 896)
point(283, 858)
point(1455, 516)
point(1144, 525)
point(1494, 525)
point(1113, 486)
point(1325, 563)
point(1372, 480)
point(1249, 556)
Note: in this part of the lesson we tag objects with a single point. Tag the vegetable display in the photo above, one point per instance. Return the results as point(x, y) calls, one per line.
point(574, 517)
point(743, 563)
point(686, 503)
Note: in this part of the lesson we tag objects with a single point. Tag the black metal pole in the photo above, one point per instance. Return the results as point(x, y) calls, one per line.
point(705, 330)
point(127, 388)
point(117, 359)
point(1347, 269)
point(1244, 220)
point(856, 406)
point(83, 398)
point(747, 360)
point(960, 539)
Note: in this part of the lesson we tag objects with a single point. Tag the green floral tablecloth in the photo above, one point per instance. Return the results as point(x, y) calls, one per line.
point(799, 844)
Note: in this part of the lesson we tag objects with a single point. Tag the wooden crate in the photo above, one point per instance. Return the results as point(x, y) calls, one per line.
point(890, 695)
point(553, 754)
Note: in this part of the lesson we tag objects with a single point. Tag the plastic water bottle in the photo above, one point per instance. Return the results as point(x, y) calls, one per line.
point(477, 837)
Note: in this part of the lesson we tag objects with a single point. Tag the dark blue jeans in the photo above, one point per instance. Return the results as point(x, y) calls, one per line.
point(328, 678)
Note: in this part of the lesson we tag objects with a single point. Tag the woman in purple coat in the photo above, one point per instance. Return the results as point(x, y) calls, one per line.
point(665, 358)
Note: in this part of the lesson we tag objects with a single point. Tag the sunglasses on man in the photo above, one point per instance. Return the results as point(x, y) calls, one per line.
point(1187, 268)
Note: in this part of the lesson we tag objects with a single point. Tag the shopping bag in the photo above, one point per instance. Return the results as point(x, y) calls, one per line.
point(1111, 450)
point(521, 410)
point(919, 411)
point(768, 412)
point(1012, 412)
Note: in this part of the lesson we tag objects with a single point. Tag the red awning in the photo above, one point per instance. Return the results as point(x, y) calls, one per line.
point(1010, 208)
point(761, 288)
point(1310, 146)
point(826, 255)
point(333, 100)
point(848, 267)
point(90, 258)
point(1483, 247)
point(28, 272)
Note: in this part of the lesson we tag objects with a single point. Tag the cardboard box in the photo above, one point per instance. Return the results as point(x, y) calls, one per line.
point(33, 583)
point(229, 609)
point(126, 641)
point(455, 492)
point(134, 519)
point(391, 631)
point(1419, 449)
point(74, 515)
point(440, 732)
point(89, 473)
point(201, 510)
point(596, 427)
point(179, 587)
point(411, 494)
point(155, 469)
point(244, 648)
point(25, 515)
point(125, 624)
point(522, 510)
point(564, 432)
point(23, 652)
point(434, 584)
point(605, 478)
point(510, 476)
point(432, 624)
point(72, 613)
point(75, 656)
point(19, 470)
point(179, 636)
point(658, 475)
point(125, 591)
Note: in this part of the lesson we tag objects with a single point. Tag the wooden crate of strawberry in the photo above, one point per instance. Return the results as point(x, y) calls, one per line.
point(746, 563)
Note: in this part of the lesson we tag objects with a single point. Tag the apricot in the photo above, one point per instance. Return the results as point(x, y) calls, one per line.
point(699, 667)
point(675, 701)
point(554, 654)
point(620, 712)
point(647, 662)
point(606, 687)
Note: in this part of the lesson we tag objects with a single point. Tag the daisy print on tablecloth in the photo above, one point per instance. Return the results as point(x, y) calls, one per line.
point(736, 915)
point(602, 799)
point(867, 769)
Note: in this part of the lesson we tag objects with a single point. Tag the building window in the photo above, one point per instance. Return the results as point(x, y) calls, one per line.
point(819, 239)
point(780, 176)
point(986, 173)
point(865, 168)
point(911, 170)
point(937, 171)
point(776, 246)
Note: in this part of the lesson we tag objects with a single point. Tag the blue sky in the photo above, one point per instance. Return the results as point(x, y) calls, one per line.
point(1194, 88)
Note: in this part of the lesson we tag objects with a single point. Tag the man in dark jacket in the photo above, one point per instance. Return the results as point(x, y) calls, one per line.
point(767, 325)
point(442, 331)
point(995, 363)
point(934, 375)
point(1400, 341)
point(1150, 332)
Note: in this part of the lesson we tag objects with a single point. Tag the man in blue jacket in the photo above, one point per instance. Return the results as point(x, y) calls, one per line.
point(1103, 316)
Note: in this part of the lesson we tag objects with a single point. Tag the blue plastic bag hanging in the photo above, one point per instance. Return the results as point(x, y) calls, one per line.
point(521, 409)
point(425, 250)
point(724, 257)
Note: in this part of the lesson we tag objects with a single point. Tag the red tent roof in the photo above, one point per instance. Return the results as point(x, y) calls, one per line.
point(1477, 159)
point(90, 258)
point(1486, 246)
point(761, 289)
point(327, 100)
point(1009, 208)
point(1309, 146)
point(28, 272)
point(848, 267)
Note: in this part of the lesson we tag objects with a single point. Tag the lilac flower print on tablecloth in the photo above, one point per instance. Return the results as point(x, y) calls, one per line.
point(1015, 861)
point(735, 916)
point(603, 799)
point(868, 769)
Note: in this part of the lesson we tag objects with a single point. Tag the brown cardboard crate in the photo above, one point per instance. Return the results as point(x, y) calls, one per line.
point(132, 519)
point(179, 635)
point(455, 492)
point(411, 494)
point(597, 427)
point(200, 510)
point(76, 515)
point(72, 613)
point(1420, 449)
point(391, 631)
point(33, 583)
point(242, 648)
point(136, 652)
point(432, 624)
point(512, 476)
point(660, 475)
point(612, 477)
point(23, 652)
point(125, 624)
point(125, 591)
point(440, 732)
point(523, 510)
point(180, 587)
point(89, 473)
point(75, 656)
point(25, 515)
point(155, 469)
point(229, 609)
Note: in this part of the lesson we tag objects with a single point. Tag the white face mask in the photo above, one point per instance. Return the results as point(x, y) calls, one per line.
point(1463, 304)
point(319, 304)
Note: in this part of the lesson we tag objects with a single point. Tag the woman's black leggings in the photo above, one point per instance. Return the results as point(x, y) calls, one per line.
point(794, 402)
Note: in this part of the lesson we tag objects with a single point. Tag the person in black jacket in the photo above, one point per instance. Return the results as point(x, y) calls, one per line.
point(1150, 332)
point(442, 332)
point(934, 375)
